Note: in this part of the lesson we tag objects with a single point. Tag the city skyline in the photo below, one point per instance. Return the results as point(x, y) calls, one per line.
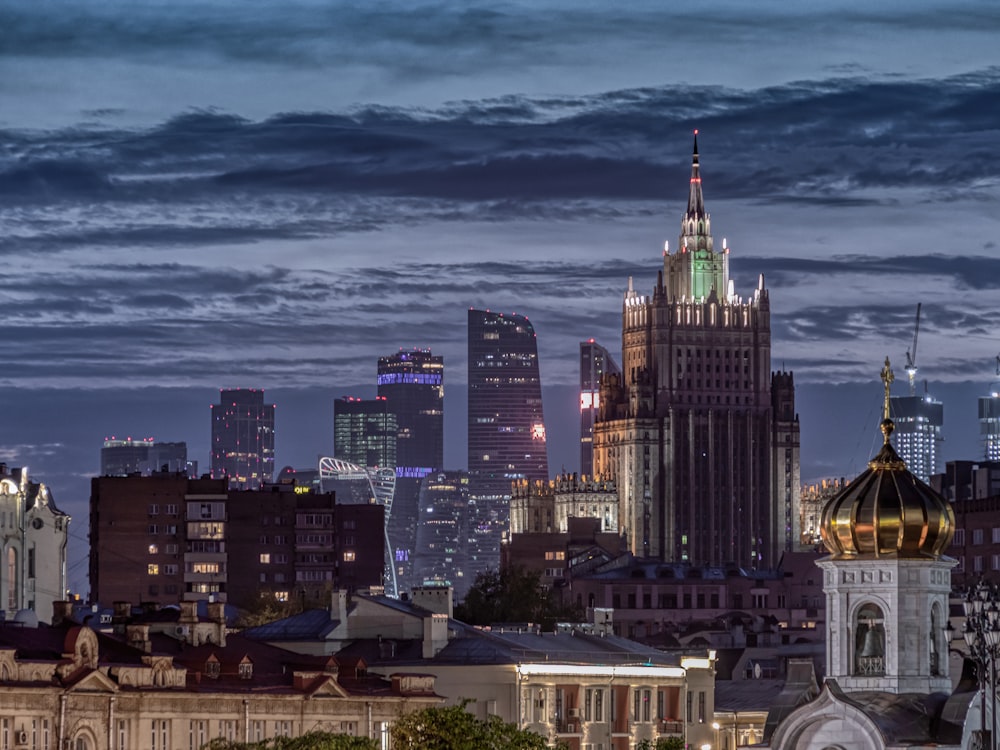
point(315, 185)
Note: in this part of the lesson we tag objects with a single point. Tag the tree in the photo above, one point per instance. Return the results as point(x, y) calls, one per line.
point(513, 594)
point(663, 743)
point(454, 728)
point(310, 741)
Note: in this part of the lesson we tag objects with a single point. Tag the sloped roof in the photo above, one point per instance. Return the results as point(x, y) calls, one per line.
point(313, 624)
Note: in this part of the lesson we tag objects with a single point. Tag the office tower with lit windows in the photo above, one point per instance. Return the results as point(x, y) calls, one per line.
point(918, 422)
point(595, 361)
point(364, 431)
point(243, 438)
point(121, 457)
point(506, 425)
point(989, 425)
point(506, 440)
point(698, 434)
point(412, 382)
point(442, 540)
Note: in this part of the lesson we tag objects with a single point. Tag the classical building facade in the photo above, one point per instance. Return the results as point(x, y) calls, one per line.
point(33, 534)
point(699, 435)
point(166, 680)
point(581, 688)
point(537, 507)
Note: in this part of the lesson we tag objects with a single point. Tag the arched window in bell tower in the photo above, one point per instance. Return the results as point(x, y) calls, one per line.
point(869, 641)
point(938, 655)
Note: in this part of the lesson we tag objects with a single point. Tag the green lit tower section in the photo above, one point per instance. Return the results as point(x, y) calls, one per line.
point(695, 270)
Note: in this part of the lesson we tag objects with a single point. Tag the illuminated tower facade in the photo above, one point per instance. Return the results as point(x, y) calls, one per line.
point(412, 382)
point(595, 361)
point(243, 438)
point(918, 421)
point(364, 431)
point(698, 434)
point(506, 426)
point(989, 425)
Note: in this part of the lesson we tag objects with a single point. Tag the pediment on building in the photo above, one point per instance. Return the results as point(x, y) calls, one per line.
point(90, 682)
point(326, 687)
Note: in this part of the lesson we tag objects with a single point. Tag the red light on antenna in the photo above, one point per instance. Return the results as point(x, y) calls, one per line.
point(696, 131)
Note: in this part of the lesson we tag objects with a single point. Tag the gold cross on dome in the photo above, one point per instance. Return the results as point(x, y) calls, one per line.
point(887, 378)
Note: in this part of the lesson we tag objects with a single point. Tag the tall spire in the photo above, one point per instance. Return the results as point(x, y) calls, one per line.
point(696, 202)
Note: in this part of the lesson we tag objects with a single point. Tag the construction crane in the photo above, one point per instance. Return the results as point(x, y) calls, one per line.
point(911, 357)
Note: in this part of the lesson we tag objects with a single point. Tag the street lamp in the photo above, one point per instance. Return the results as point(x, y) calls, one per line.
point(982, 635)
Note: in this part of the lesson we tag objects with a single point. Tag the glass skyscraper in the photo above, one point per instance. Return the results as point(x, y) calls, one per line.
point(243, 438)
point(412, 382)
point(595, 361)
point(364, 432)
point(918, 431)
point(506, 426)
point(989, 426)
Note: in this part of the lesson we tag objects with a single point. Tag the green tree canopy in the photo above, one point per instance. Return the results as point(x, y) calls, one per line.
point(454, 728)
point(310, 741)
point(513, 594)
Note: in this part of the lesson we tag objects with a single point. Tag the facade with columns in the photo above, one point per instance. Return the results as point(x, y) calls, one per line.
point(699, 435)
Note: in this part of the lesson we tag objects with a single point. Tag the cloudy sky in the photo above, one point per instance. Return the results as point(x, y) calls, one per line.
point(196, 195)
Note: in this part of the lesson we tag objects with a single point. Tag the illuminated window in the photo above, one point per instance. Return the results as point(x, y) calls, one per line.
point(154, 549)
point(281, 596)
point(265, 558)
point(153, 569)
point(349, 556)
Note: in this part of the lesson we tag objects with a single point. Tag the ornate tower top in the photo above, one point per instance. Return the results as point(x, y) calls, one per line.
point(696, 271)
point(887, 511)
point(696, 201)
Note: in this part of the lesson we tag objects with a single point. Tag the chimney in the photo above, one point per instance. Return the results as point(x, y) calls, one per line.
point(189, 613)
point(338, 606)
point(62, 611)
point(217, 615)
point(435, 635)
point(137, 636)
point(437, 599)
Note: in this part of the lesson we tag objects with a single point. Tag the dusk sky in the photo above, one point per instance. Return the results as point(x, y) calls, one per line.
point(196, 195)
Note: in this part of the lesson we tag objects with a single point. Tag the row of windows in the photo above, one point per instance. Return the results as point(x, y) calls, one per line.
point(977, 536)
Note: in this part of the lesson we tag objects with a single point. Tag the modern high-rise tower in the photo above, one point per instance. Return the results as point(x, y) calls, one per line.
point(412, 382)
point(506, 426)
point(989, 424)
point(595, 361)
point(243, 438)
point(918, 422)
point(700, 437)
point(364, 431)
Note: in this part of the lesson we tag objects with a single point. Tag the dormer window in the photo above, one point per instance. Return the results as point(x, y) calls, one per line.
point(246, 669)
point(212, 667)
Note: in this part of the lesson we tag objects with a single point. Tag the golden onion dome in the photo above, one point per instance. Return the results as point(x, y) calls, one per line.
point(886, 511)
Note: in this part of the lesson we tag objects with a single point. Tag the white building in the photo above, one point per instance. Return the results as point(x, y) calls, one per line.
point(887, 584)
point(33, 534)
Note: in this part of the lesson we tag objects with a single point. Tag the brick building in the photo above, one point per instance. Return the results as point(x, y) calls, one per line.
point(166, 537)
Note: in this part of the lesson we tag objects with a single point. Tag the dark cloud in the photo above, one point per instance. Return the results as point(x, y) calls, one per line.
point(846, 142)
